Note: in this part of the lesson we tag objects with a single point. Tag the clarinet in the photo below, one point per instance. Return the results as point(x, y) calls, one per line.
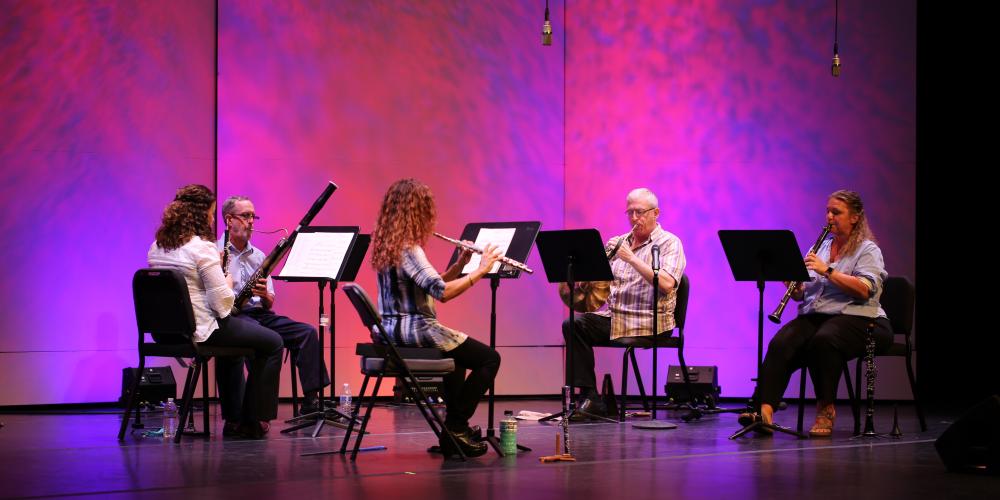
point(870, 372)
point(568, 406)
point(225, 252)
point(283, 246)
point(775, 317)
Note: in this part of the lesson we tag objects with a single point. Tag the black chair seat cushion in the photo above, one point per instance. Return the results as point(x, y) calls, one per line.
point(646, 342)
point(375, 366)
point(369, 350)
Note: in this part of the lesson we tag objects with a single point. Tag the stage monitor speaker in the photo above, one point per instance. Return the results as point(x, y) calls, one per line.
point(156, 384)
point(704, 384)
point(433, 387)
point(972, 442)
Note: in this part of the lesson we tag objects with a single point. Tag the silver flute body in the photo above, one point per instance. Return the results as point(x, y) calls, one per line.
point(473, 248)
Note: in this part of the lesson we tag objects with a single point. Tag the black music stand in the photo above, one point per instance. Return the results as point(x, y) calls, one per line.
point(760, 256)
point(519, 249)
point(654, 424)
point(569, 256)
point(323, 254)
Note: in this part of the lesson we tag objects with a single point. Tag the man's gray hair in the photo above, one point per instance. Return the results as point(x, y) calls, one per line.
point(230, 204)
point(634, 195)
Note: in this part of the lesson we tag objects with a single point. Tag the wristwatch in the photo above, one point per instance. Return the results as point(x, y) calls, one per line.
point(829, 271)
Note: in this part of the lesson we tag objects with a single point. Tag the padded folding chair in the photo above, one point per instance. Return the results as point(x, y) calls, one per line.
point(387, 360)
point(163, 310)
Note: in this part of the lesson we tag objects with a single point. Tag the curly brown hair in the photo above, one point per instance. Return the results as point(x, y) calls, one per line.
point(861, 231)
point(406, 218)
point(186, 217)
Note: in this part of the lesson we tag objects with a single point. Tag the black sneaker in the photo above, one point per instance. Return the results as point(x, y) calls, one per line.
point(589, 407)
point(469, 447)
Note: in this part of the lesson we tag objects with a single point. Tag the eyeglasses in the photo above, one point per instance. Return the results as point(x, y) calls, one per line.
point(248, 216)
point(637, 212)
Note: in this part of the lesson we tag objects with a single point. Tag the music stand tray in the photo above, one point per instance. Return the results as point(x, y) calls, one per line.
point(761, 256)
point(569, 256)
point(323, 254)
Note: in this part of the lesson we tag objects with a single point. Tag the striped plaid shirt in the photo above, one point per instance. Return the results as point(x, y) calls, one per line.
point(631, 300)
point(406, 296)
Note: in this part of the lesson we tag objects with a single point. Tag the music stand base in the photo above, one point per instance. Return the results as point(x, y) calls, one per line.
point(345, 452)
point(573, 412)
point(318, 419)
point(759, 424)
point(654, 425)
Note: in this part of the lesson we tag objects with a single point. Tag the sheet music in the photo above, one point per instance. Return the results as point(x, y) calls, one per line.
point(501, 237)
point(317, 255)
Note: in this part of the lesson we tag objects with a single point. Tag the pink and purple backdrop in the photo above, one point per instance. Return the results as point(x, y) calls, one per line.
point(725, 109)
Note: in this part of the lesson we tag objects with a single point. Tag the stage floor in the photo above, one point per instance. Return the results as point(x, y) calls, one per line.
point(77, 454)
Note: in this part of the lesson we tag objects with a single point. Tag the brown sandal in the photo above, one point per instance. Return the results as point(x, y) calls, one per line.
point(823, 426)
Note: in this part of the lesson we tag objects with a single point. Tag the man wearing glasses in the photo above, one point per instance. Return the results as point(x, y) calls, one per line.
point(244, 258)
point(629, 311)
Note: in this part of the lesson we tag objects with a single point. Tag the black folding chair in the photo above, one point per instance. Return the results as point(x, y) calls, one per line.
point(163, 310)
point(387, 360)
point(898, 301)
point(656, 342)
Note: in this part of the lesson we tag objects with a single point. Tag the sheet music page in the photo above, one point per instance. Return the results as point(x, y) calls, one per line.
point(317, 255)
point(501, 237)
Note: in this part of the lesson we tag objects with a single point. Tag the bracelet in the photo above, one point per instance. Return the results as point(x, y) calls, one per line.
point(470, 280)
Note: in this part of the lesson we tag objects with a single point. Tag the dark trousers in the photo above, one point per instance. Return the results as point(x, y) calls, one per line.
point(258, 399)
point(300, 338)
point(822, 343)
point(590, 330)
point(462, 394)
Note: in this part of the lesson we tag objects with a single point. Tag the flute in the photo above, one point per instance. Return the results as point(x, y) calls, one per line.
point(473, 248)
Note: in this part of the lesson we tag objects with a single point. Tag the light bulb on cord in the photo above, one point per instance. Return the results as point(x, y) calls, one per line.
point(835, 67)
point(547, 27)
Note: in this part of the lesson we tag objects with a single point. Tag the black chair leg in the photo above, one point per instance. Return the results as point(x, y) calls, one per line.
point(292, 358)
point(687, 377)
point(624, 391)
point(354, 412)
point(204, 401)
point(367, 417)
point(638, 380)
point(189, 387)
point(913, 390)
point(130, 404)
point(802, 399)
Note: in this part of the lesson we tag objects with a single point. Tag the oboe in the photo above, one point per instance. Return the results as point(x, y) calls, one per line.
point(618, 244)
point(775, 317)
point(473, 248)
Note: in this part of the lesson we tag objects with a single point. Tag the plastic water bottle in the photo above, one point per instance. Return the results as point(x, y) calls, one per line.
point(345, 400)
point(508, 434)
point(169, 419)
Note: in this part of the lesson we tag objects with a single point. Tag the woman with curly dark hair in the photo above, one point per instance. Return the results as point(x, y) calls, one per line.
point(408, 285)
point(185, 241)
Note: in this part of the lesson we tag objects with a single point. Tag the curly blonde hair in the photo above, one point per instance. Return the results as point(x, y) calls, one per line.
point(406, 218)
point(186, 217)
point(861, 231)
